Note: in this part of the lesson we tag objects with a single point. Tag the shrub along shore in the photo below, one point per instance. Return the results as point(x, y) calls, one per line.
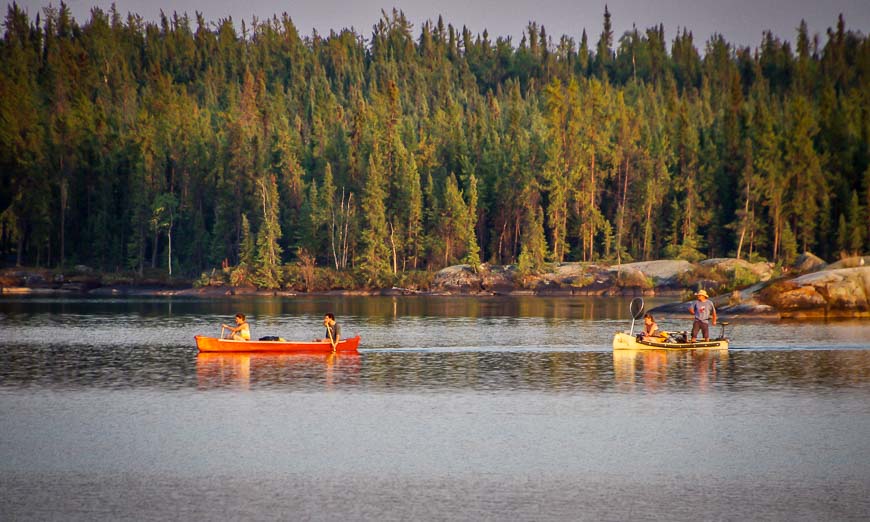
point(809, 288)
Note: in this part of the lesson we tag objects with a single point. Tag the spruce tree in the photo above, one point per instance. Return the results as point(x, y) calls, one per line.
point(268, 246)
point(534, 244)
point(247, 250)
point(472, 250)
point(374, 258)
point(857, 225)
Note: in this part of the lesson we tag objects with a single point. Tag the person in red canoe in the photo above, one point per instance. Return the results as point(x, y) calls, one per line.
point(242, 330)
point(333, 330)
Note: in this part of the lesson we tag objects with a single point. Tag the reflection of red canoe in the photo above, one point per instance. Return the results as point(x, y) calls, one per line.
point(211, 344)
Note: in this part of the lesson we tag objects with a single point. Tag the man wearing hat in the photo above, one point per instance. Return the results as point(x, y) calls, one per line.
point(702, 309)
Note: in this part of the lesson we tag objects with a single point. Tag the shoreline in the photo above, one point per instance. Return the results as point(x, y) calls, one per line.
point(233, 291)
point(667, 310)
point(740, 289)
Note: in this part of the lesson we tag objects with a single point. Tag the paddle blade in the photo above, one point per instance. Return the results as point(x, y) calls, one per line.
point(636, 307)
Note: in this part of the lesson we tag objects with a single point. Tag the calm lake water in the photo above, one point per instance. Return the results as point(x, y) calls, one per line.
point(454, 409)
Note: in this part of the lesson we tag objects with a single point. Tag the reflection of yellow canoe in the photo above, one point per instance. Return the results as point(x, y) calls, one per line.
point(655, 368)
point(624, 341)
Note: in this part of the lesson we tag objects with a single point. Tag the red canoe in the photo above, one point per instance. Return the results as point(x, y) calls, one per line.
point(211, 344)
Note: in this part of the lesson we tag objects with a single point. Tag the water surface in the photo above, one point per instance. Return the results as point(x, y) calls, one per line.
point(454, 409)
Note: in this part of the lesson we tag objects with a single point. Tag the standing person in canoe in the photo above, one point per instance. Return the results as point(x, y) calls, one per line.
point(333, 330)
point(703, 310)
point(241, 332)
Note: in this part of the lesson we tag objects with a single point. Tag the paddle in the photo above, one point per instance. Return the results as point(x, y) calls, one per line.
point(225, 327)
point(331, 338)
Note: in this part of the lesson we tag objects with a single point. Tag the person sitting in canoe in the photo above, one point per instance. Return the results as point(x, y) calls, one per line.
point(651, 330)
point(703, 310)
point(333, 330)
point(242, 331)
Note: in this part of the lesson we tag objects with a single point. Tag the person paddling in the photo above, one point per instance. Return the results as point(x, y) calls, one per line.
point(241, 332)
point(703, 310)
point(333, 330)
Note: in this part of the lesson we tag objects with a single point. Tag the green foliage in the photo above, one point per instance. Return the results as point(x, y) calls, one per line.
point(247, 253)
point(375, 262)
point(858, 226)
point(472, 250)
point(534, 244)
point(268, 261)
point(743, 277)
point(241, 275)
point(789, 245)
point(126, 143)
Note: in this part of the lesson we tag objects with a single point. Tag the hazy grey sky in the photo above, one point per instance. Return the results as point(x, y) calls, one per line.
point(740, 21)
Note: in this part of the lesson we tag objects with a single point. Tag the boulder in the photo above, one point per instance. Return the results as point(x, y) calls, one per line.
point(26, 277)
point(838, 292)
point(851, 262)
point(808, 262)
point(457, 278)
point(574, 275)
point(729, 266)
point(497, 279)
point(631, 277)
point(663, 273)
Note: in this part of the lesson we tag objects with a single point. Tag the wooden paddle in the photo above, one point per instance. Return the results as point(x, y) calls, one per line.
point(331, 338)
point(225, 327)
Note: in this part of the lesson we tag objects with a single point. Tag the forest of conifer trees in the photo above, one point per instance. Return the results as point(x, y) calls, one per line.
point(184, 144)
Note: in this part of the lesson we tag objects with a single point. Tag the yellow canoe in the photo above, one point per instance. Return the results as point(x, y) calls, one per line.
point(624, 341)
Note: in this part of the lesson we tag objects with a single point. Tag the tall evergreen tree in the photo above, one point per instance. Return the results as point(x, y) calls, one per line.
point(268, 247)
point(375, 254)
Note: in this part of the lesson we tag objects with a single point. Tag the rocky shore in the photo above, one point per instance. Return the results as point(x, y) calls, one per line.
point(809, 288)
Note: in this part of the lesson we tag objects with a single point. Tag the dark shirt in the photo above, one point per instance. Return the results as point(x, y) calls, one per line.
point(336, 332)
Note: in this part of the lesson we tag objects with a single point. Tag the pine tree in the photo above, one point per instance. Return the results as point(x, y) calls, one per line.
point(804, 167)
point(750, 186)
point(374, 258)
point(414, 227)
point(624, 158)
point(687, 177)
point(767, 162)
point(842, 234)
point(857, 225)
point(604, 49)
point(454, 222)
point(268, 248)
point(247, 252)
point(789, 245)
point(534, 244)
point(596, 144)
point(562, 169)
point(472, 250)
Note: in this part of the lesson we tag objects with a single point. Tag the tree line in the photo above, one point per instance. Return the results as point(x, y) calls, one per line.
point(185, 145)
